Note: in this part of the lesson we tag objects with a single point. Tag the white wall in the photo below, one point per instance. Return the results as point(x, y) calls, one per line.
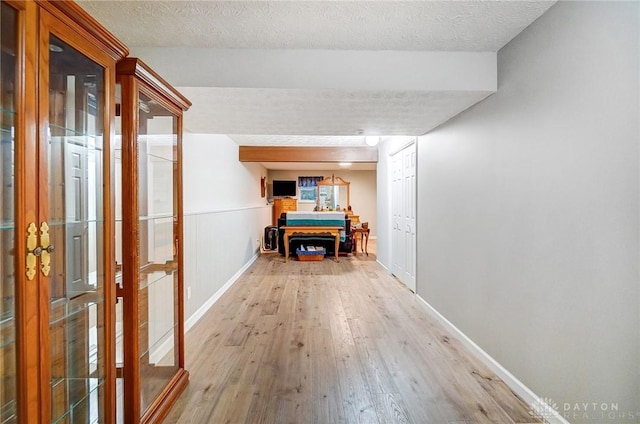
point(215, 178)
point(362, 191)
point(528, 211)
point(224, 215)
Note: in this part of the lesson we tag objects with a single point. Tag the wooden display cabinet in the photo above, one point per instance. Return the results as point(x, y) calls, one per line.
point(152, 264)
point(57, 107)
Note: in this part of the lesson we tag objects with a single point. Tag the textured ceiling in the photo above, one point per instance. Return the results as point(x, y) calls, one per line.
point(351, 25)
point(321, 112)
point(298, 140)
point(269, 116)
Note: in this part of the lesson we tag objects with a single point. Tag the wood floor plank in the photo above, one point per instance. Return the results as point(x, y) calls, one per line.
point(289, 297)
point(326, 342)
point(376, 373)
point(326, 395)
point(272, 302)
point(391, 406)
point(295, 385)
point(358, 402)
point(239, 334)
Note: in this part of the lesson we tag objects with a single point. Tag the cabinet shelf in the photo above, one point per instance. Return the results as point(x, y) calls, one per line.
point(9, 111)
point(144, 218)
point(57, 223)
point(7, 330)
point(6, 131)
point(159, 345)
point(7, 318)
point(159, 217)
point(8, 412)
point(7, 225)
point(71, 132)
point(151, 274)
point(67, 308)
point(81, 390)
point(160, 159)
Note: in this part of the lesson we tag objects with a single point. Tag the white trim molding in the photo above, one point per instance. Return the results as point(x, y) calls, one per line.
point(195, 317)
point(384, 266)
point(551, 415)
point(243, 208)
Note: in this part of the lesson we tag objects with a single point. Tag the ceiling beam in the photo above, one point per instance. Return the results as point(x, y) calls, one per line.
point(331, 154)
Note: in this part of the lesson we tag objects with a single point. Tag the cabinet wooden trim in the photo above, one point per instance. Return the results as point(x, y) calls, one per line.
point(27, 311)
point(80, 20)
point(136, 67)
point(130, 260)
point(160, 407)
point(180, 256)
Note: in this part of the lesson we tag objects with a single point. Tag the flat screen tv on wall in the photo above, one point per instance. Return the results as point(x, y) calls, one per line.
point(284, 188)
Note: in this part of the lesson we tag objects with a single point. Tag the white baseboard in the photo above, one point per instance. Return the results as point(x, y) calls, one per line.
point(190, 322)
point(552, 416)
point(384, 266)
point(157, 353)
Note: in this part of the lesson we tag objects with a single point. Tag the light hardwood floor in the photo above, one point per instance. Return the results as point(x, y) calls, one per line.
point(327, 342)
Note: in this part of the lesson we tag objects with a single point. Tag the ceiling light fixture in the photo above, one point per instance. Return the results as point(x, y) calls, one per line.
point(372, 140)
point(344, 164)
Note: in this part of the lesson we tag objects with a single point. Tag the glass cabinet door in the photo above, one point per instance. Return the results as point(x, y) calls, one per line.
point(57, 77)
point(152, 315)
point(158, 261)
point(8, 372)
point(75, 154)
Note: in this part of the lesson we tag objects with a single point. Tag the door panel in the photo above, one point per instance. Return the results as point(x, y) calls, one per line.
point(396, 207)
point(403, 187)
point(409, 224)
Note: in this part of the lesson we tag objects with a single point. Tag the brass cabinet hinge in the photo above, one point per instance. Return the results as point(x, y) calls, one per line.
point(33, 250)
point(47, 248)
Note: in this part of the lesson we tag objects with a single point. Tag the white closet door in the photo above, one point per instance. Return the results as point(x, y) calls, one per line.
point(397, 247)
point(403, 188)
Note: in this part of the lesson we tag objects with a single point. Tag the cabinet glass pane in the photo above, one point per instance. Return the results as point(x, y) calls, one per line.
point(117, 168)
point(158, 282)
point(75, 162)
point(8, 43)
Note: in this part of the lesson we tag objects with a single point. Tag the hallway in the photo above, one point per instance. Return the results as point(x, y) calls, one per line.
point(326, 342)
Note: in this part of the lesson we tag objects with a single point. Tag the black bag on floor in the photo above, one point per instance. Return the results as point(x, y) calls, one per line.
point(271, 237)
